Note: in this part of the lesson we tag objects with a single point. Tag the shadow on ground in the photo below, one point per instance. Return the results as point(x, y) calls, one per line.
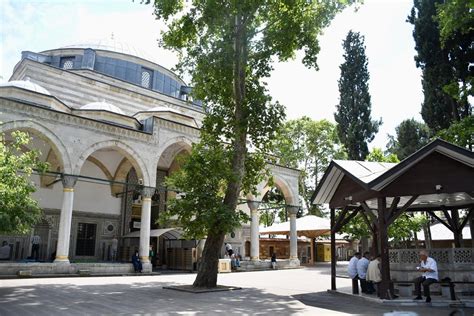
point(359, 306)
point(138, 298)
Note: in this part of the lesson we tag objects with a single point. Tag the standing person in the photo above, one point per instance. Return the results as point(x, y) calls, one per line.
point(228, 249)
point(114, 248)
point(35, 246)
point(137, 264)
point(362, 266)
point(274, 261)
point(5, 251)
point(352, 271)
point(151, 255)
point(374, 276)
point(429, 268)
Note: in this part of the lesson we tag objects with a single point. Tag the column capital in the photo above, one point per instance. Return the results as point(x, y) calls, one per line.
point(253, 205)
point(68, 181)
point(147, 192)
point(292, 210)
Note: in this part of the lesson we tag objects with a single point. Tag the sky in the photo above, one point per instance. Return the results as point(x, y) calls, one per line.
point(395, 82)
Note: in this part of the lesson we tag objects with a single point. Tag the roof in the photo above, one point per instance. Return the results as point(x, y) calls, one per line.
point(441, 232)
point(104, 106)
point(369, 179)
point(169, 233)
point(110, 44)
point(27, 85)
point(308, 226)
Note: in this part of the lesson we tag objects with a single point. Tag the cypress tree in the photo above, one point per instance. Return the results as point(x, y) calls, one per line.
point(355, 125)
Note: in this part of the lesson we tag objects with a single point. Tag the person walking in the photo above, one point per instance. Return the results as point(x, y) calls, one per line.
point(274, 261)
point(429, 270)
point(35, 246)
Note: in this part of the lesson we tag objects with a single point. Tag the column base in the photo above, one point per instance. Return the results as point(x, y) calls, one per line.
point(61, 259)
point(254, 258)
point(147, 267)
point(294, 262)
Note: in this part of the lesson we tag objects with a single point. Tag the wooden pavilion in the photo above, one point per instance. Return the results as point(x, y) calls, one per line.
point(438, 177)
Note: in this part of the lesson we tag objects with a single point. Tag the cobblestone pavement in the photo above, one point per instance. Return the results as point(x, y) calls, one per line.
point(284, 292)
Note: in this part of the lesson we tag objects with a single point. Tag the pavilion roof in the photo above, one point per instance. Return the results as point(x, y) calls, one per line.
point(440, 175)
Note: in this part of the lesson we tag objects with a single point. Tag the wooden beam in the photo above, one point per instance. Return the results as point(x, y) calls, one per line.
point(398, 212)
point(384, 285)
point(470, 213)
point(440, 220)
point(333, 251)
point(349, 217)
point(336, 226)
point(448, 218)
point(366, 220)
point(393, 208)
point(368, 211)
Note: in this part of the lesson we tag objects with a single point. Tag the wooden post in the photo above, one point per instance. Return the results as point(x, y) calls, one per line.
point(313, 242)
point(333, 250)
point(384, 286)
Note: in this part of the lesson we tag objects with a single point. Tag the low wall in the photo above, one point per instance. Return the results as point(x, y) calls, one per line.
point(267, 265)
point(455, 263)
point(40, 268)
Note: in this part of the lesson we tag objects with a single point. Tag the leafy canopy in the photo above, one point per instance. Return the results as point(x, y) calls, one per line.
point(353, 113)
point(411, 135)
point(310, 146)
point(18, 210)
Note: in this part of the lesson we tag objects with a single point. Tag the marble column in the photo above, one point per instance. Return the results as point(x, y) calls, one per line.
point(292, 210)
point(65, 219)
point(254, 231)
point(147, 193)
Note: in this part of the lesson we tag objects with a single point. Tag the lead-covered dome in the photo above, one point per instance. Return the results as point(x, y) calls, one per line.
point(102, 106)
point(27, 85)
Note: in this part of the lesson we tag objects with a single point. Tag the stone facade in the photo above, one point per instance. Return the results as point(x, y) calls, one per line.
point(89, 125)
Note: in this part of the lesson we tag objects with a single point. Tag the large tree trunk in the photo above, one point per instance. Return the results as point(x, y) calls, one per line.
point(207, 274)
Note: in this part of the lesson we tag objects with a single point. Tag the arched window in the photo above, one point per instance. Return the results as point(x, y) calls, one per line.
point(146, 78)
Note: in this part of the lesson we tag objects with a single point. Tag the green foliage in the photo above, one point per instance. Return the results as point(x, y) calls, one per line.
point(377, 155)
point(455, 16)
point(405, 226)
point(309, 146)
point(460, 133)
point(228, 48)
point(355, 126)
point(18, 210)
point(447, 75)
point(269, 209)
point(411, 136)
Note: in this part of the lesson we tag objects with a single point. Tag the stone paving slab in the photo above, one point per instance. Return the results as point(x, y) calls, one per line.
point(281, 292)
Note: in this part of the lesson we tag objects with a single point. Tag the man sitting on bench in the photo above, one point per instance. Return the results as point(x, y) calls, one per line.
point(430, 275)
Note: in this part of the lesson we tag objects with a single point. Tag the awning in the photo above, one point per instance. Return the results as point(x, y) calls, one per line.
point(168, 233)
point(308, 226)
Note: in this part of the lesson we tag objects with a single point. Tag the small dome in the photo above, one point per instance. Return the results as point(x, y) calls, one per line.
point(26, 84)
point(104, 106)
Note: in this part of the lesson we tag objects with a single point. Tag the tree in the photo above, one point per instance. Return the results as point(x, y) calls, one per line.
point(228, 48)
point(355, 126)
point(18, 210)
point(309, 146)
point(444, 67)
point(377, 155)
point(411, 135)
point(460, 133)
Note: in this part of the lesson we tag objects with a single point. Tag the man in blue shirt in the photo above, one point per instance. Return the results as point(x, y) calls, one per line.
point(362, 266)
point(429, 269)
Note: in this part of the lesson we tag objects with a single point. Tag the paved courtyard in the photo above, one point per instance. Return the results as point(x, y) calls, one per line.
point(284, 292)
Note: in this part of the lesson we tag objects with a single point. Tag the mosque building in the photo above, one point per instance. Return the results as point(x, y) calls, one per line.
point(112, 124)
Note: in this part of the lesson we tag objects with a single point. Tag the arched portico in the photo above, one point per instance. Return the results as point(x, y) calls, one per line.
point(57, 145)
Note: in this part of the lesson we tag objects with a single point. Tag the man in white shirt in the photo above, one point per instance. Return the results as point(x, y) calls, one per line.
point(362, 266)
point(429, 269)
point(374, 276)
point(352, 271)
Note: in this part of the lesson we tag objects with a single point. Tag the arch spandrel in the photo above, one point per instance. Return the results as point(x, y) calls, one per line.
point(126, 150)
point(45, 134)
point(171, 149)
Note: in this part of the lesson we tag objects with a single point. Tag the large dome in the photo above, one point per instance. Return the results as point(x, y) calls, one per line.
point(27, 85)
point(102, 106)
point(113, 46)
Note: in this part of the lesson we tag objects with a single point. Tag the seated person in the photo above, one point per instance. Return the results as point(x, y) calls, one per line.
point(429, 270)
point(137, 264)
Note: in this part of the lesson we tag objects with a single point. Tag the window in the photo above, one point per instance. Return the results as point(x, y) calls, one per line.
point(66, 62)
point(86, 234)
point(146, 77)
